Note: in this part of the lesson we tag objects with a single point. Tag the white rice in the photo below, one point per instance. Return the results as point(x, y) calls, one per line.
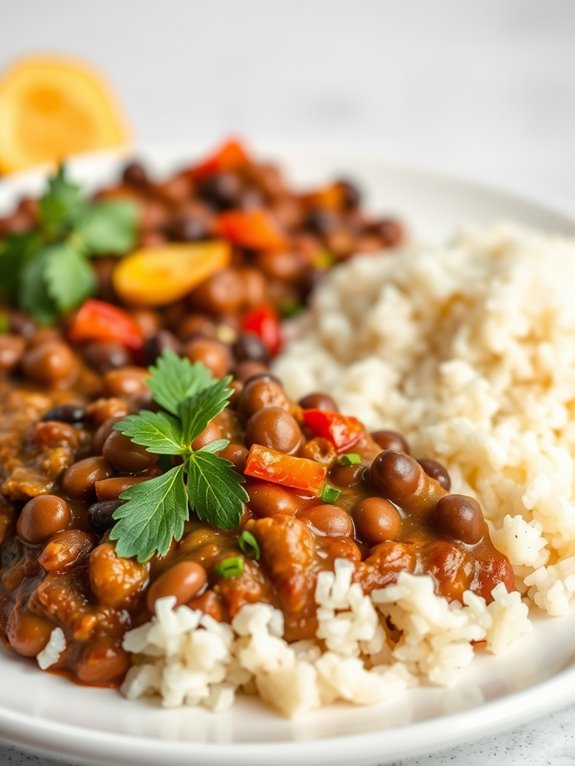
point(189, 658)
point(468, 350)
point(51, 653)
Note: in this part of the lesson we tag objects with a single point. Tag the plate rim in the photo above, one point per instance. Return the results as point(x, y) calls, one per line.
point(46, 737)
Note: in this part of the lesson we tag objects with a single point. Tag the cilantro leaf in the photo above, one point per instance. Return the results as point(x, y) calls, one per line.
point(216, 446)
point(69, 277)
point(173, 379)
point(108, 228)
point(61, 205)
point(153, 516)
point(33, 290)
point(161, 433)
point(15, 251)
point(215, 492)
point(197, 410)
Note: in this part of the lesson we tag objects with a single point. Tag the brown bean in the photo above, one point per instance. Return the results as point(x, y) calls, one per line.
point(211, 433)
point(80, 478)
point(327, 519)
point(126, 456)
point(390, 440)
point(160, 341)
point(236, 454)
point(460, 517)
point(111, 489)
point(246, 370)
point(115, 581)
point(249, 347)
point(213, 353)
point(347, 475)
point(254, 286)
point(270, 499)
point(183, 580)
point(222, 293)
point(65, 550)
point(102, 662)
point(402, 480)
point(27, 633)
point(42, 517)
point(11, 351)
point(50, 362)
point(103, 409)
point(275, 428)
point(102, 433)
point(106, 355)
point(284, 265)
point(262, 392)
point(318, 401)
point(436, 471)
point(377, 520)
point(127, 381)
point(192, 325)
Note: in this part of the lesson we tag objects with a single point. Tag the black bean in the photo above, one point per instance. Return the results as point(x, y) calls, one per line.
point(321, 221)
point(66, 413)
point(249, 347)
point(221, 190)
point(100, 514)
point(351, 194)
point(161, 341)
point(135, 174)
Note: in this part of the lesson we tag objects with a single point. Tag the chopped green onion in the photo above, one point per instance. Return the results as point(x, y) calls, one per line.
point(330, 494)
point(4, 322)
point(249, 545)
point(290, 309)
point(228, 568)
point(351, 458)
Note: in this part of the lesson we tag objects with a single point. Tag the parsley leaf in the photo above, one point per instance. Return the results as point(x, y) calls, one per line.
point(69, 277)
point(160, 432)
point(61, 205)
point(108, 228)
point(154, 513)
point(46, 271)
point(173, 379)
point(214, 489)
point(33, 290)
point(197, 410)
point(162, 511)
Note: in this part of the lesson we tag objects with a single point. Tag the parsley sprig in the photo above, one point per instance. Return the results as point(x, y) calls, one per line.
point(46, 271)
point(156, 510)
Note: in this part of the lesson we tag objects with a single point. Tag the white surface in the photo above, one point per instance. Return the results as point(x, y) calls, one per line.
point(47, 713)
point(484, 88)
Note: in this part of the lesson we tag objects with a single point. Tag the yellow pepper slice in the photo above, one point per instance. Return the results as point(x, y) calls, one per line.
point(160, 275)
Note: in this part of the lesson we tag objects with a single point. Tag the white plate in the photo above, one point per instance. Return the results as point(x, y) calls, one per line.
point(52, 716)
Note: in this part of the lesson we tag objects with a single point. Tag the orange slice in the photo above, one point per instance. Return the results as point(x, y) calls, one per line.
point(51, 107)
point(160, 275)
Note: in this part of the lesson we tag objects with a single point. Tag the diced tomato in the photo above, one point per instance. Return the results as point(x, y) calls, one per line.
point(264, 322)
point(295, 472)
point(229, 156)
point(254, 229)
point(341, 430)
point(98, 320)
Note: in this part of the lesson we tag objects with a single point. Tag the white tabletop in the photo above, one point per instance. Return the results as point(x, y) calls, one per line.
point(483, 89)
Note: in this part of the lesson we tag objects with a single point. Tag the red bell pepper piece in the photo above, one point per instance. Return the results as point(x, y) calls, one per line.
point(98, 320)
point(342, 431)
point(254, 229)
point(264, 322)
point(279, 468)
point(229, 156)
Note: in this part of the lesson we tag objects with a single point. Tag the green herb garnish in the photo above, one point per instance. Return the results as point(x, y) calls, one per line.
point(46, 272)
point(228, 568)
point(350, 458)
point(156, 510)
point(249, 545)
point(330, 494)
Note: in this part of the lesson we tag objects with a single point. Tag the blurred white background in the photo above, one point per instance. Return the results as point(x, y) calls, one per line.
point(480, 88)
point(484, 88)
